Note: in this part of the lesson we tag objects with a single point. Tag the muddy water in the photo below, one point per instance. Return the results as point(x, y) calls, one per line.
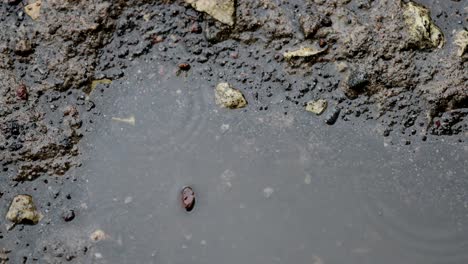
point(271, 187)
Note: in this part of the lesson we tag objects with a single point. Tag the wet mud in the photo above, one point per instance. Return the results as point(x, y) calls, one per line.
point(64, 68)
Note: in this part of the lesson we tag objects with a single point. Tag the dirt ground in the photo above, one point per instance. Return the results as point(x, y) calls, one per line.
point(369, 64)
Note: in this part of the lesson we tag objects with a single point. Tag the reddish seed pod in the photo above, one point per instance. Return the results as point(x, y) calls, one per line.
point(184, 66)
point(188, 198)
point(22, 92)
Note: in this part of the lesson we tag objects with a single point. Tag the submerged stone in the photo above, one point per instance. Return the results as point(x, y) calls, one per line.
point(317, 107)
point(221, 10)
point(422, 30)
point(23, 210)
point(98, 235)
point(229, 97)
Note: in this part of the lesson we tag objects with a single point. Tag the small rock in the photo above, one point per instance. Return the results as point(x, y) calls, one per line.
point(229, 97)
point(317, 107)
point(331, 118)
point(221, 10)
point(23, 210)
point(422, 31)
point(22, 92)
point(461, 40)
point(188, 198)
point(98, 235)
point(33, 10)
point(69, 215)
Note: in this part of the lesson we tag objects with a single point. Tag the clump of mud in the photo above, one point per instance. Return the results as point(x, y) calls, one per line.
point(48, 57)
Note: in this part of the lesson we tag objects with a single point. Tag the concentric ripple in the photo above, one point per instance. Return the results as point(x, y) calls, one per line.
point(429, 224)
point(169, 113)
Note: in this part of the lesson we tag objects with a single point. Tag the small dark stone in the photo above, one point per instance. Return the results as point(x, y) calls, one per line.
point(12, 2)
point(331, 118)
point(68, 215)
point(386, 133)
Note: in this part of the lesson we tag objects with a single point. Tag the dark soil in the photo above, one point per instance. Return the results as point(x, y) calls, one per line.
point(370, 70)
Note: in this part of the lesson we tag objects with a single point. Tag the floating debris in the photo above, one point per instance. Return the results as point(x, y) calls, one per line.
point(268, 192)
point(422, 30)
point(308, 179)
point(128, 200)
point(221, 10)
point(23, 211)
point(188, 198)
point(130, 120)
point(33, 10)
point(302, 52)
point(98, 235)
point(317, 260)
point(229, 97)
point(317, 107)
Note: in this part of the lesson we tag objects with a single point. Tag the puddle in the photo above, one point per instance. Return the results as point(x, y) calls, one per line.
point(271, 188)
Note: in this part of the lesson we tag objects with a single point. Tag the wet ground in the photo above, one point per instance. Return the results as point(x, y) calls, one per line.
point(385, 183)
